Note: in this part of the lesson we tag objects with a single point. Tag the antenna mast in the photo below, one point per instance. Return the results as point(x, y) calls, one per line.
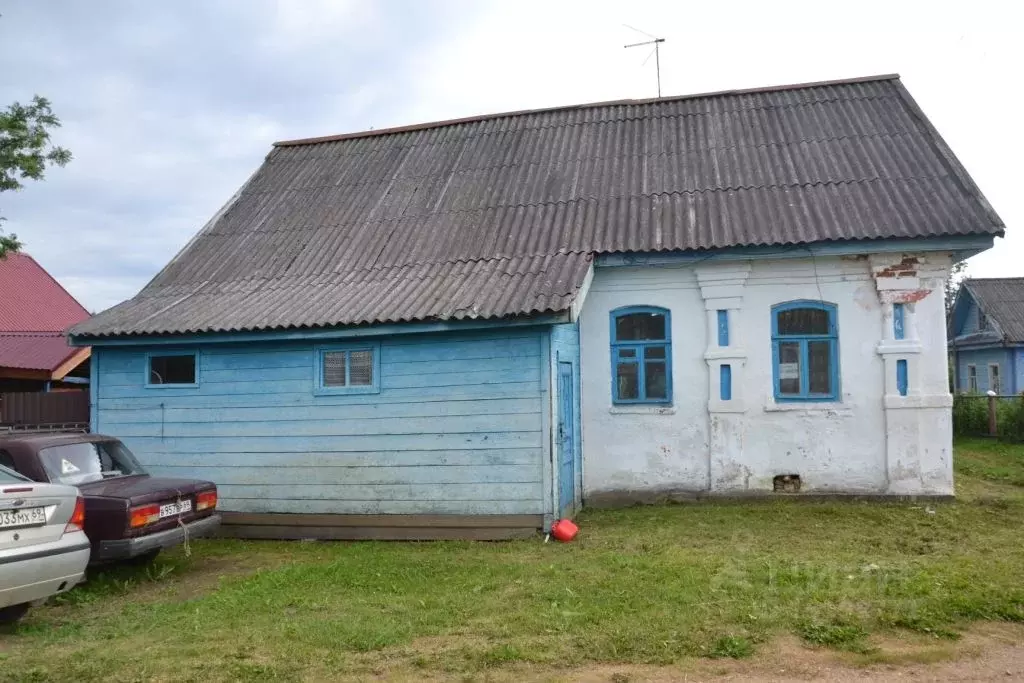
point(656, 42)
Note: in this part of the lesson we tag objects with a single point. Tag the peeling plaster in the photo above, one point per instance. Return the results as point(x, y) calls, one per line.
point(869, 443)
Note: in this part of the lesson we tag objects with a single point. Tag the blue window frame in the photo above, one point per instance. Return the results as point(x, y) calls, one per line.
point(641, 346)
point(805, 351)
point(347, 368)
point(172, 369)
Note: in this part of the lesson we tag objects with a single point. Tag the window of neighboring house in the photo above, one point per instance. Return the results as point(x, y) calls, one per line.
point(177, 369)
point(641, 348)
point(994, 381)
point(348, 369)
point(972, 378)
point(805, 351)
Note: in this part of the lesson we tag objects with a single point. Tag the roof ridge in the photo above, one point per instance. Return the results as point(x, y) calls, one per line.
point(587, 105)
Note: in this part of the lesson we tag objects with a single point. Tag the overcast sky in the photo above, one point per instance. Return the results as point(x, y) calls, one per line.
point(169, 106)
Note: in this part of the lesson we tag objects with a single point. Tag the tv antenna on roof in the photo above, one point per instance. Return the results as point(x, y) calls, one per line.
point(656, 42)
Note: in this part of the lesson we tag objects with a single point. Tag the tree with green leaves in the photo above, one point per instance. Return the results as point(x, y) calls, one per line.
point(26, 151)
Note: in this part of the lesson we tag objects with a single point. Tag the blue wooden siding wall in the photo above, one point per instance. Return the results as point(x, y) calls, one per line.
point(565, 346)
point(981, 359)
point(457, 428)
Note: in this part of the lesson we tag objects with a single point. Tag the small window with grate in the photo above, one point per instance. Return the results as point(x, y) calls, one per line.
point(172, 369)
point(353, 369)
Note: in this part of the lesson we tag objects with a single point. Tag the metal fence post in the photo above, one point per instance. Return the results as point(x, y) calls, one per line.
point(992, 426)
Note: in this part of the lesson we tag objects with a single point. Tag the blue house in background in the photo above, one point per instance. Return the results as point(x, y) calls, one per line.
point(987, 336)
point(381, 335)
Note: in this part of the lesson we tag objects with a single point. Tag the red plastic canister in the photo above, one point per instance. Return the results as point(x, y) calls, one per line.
point(564, 530)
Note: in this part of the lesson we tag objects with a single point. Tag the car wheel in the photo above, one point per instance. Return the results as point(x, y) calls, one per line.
point(9, 615)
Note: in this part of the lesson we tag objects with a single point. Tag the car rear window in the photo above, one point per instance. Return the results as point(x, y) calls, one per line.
point(9, 476)
point(80, 463)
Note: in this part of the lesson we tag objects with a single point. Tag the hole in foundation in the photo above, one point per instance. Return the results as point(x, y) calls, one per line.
point(787, 483)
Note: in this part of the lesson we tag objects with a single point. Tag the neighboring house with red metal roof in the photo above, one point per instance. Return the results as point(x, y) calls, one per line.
point(35, 312)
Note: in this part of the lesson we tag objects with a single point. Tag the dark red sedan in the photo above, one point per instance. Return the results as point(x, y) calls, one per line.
point(128, 513)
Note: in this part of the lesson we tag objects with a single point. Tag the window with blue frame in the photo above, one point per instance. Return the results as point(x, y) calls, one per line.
point(351, 369)
point(641, 355)
point(171, 369)
point(805, 351)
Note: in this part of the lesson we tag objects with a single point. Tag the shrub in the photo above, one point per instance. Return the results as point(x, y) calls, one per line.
point(1010, 419)
point(970, 415)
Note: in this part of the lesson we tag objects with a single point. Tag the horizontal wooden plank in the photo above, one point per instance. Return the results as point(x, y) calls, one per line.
point(479, 424)
point(335, 476)
point(377, 533)
point(525, 374)
point(409, 458)
point(461, 365)
point(385, 493)
point(155, 398)
point(284, 442)
point(451, 521)
point(289, 413)
point(412, 349)
point(390, 507)
point(528, 385)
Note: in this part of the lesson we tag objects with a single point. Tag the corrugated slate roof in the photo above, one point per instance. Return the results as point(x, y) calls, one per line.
point(1002, 300)
point(500, 215)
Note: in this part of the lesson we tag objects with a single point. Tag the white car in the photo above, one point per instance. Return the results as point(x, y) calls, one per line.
point(43, 548)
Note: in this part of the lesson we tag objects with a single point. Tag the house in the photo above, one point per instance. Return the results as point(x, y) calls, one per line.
point(986, 330)
point(472, 327)
point(35, 312)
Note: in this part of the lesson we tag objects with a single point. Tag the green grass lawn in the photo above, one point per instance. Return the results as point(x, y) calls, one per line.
point(643, 585)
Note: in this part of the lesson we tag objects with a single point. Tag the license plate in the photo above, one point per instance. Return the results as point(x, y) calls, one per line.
point(26, 517)
point(172, 509)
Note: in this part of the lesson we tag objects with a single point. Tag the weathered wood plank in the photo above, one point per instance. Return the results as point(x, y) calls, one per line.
point(526, 491)
point(453, 521)
point(349, 476)
point(518, 386)
point(198, 462)
point(384, 507)
point(283, 442)
point(376, 533)
point(482, 424)
point(155, 399)
point(290, 413)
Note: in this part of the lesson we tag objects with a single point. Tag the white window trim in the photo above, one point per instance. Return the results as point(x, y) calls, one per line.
point(993, 381)
point(972, 369)
point(318, 368)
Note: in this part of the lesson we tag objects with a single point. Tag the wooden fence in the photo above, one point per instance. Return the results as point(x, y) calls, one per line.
point(19, 410)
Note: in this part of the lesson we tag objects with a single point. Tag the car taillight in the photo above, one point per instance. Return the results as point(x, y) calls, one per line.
point(206, 500)
point(143, 515)
point(77, 521)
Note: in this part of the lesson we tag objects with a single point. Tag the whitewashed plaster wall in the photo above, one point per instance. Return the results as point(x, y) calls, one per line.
point(871, 441)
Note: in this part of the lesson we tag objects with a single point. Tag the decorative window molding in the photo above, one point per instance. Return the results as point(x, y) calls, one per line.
point(995, 379)
point(972, 378)
point(347, 368)
point(172, 370)
point(805, 351)
point(641, 355)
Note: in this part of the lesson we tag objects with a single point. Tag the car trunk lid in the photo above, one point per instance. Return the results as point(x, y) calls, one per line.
point(33, 513)
point(175, 499)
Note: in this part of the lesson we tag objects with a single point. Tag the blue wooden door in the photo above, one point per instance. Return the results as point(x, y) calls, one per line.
point(566, 442)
